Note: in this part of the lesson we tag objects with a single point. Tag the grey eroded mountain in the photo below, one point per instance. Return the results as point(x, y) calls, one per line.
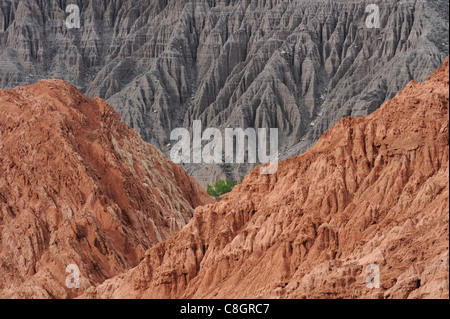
point(299, 66)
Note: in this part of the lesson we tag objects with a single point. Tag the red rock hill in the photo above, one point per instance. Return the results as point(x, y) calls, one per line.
point(77, 186)
point(374, 190)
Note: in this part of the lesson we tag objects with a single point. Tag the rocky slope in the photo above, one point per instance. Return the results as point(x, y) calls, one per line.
point(373, 190)
point(296, 65)
point(78, 186)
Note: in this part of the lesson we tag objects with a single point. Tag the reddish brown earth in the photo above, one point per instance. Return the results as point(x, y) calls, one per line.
point(374, 190)
point(77, 186)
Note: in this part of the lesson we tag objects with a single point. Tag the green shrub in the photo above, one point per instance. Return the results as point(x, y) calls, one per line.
point(221, 188)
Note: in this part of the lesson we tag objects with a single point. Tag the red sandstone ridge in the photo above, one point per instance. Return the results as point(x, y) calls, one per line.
point(77, 186)
point(374, 190)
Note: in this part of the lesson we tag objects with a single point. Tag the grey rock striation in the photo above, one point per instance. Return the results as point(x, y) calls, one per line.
point(299, 66)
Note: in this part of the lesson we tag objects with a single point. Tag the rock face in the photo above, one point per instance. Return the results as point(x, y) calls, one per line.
point(372, 191)
point(78, 186)
point(299, 66)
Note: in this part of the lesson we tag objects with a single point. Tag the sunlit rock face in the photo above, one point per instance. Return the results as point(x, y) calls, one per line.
point(372, 196)
point(79, 187)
